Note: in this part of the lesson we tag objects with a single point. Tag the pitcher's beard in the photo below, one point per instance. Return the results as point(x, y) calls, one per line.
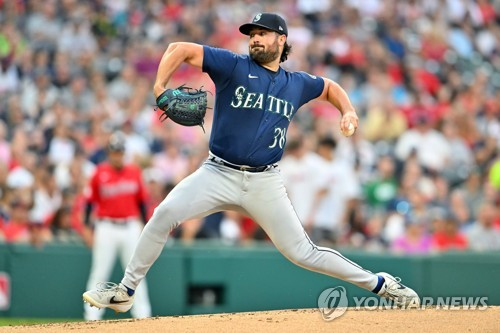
point(263, 57)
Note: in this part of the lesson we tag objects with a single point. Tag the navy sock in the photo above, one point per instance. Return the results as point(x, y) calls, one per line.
point(380, 283)
point(130, 292)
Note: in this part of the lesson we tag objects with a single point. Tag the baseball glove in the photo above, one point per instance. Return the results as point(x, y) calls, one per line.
point(185, 106)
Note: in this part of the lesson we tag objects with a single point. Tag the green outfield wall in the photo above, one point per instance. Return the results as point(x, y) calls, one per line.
point(211, 278)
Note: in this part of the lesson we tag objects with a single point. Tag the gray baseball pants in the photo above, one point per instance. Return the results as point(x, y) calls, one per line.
point(261, 196)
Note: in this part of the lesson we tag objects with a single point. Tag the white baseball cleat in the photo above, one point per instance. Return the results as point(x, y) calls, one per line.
point(401, 295)
point(109, 295)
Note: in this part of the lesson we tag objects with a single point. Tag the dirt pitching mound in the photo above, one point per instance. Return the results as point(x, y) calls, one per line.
point(307, 320)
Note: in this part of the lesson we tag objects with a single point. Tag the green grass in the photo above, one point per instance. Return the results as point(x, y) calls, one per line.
point(34, 321)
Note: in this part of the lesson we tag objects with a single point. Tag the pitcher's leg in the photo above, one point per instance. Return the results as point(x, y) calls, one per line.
point(198, 195)
point(275, 214)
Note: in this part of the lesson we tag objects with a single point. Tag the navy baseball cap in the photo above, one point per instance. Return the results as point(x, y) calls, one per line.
point(269, 21)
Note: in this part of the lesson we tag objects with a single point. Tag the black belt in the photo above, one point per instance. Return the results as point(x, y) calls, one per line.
point(242, 167)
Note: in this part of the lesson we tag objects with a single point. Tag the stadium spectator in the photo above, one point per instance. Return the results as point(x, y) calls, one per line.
point(374, 240)
point(446, 234)
point(62, 228)
point(416, 239)
point(473, 191)
point(430, 146)
point(383, 187)
point(302, 171)
point(460, 161)
point(384, 122)
point(482, 236)
point(19, 228)
point(459, 209)
point(328, 219)
point(47, 198)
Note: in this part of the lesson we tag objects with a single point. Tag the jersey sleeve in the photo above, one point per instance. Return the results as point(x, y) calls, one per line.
point(219, 64)
point(312, 86)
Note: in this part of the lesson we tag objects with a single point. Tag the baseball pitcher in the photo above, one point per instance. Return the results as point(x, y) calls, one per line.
point(255, 102)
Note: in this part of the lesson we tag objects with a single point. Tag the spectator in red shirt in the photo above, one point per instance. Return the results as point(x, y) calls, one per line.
point(447, 235)
point(19, 228)
point(16, 228)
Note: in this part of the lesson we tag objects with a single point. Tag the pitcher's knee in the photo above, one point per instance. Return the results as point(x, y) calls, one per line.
point(163, 219)
point(301, 257)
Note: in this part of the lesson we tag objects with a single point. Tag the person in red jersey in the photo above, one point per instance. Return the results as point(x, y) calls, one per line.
point(116, 199)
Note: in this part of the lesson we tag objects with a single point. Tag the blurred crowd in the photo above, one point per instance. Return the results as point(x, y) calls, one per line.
point(421, 174)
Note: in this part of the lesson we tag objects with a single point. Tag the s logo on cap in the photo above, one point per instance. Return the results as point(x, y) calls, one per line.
point(257, 17)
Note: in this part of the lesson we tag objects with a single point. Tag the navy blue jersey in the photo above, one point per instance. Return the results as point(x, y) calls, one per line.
point(253, 106)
